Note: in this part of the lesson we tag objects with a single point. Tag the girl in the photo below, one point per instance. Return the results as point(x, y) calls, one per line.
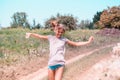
point(57, 48)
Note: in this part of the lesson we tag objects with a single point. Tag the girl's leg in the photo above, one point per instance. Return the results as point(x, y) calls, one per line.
point(59, 73)
point(51, 74)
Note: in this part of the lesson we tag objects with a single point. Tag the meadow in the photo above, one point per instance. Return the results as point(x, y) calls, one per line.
point(14, 45)
point(16, 50)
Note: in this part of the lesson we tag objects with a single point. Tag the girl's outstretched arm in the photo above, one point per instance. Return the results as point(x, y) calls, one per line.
point(36, 36)
point(80, 43)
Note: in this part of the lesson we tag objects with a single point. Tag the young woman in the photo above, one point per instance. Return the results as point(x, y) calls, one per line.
point(57, 49)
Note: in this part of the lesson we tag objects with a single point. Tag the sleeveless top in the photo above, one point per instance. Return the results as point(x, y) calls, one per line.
point(57, 50)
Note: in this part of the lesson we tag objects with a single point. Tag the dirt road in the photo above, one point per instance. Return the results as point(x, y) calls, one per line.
point(41, 73)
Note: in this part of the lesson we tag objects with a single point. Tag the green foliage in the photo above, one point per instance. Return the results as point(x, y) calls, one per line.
point(1, 55)
point(85, 24)
point(68, 20)
point(36, 26)
point(47, 23)
point(19, 19)
point(96, 17)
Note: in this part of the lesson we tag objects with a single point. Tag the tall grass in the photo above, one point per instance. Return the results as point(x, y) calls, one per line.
point(14, 45)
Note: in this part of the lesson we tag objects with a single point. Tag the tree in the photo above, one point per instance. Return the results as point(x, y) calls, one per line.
point(68, 20)
point(34, 23)
point(36, 26)
point(110, 18)
point(85, 24)
point(47, 23)
point(19, 19)
point(0, 26)
point(96, 17)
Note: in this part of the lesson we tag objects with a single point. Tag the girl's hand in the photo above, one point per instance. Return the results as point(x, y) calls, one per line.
point(91, 39)
point(27, 35)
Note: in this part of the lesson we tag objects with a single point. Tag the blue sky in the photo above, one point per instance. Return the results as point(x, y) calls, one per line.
point(41, 10)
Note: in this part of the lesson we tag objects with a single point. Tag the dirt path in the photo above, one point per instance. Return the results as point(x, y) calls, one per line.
point(42, 73)
point(85, 69)
point(77, 68)
point(106, 69)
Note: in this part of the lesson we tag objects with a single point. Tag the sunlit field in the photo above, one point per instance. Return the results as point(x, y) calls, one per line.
point(14, 45)
point(16, 50)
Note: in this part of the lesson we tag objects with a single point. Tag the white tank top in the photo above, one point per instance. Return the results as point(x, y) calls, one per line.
point(57, 50)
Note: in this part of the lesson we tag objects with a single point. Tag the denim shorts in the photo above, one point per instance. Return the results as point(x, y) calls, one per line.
point(54, 67)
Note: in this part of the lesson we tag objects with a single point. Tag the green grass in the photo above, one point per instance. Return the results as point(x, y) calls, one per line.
point(14, 45)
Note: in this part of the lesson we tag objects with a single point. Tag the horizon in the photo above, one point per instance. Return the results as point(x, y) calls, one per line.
point(43, 10)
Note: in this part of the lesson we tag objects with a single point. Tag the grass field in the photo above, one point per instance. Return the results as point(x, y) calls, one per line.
point(14, 45)
point(16, 50)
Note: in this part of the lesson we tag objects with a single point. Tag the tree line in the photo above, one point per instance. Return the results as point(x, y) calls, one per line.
point(108, 18)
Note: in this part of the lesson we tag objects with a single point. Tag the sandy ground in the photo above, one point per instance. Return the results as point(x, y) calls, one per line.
point(106, 69)
point(41, 73)
point(35, 70)
point(37, 75)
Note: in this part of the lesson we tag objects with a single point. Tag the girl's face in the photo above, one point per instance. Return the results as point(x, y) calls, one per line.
point(59, 31)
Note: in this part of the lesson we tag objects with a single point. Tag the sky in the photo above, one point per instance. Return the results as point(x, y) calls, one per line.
point(41, 10)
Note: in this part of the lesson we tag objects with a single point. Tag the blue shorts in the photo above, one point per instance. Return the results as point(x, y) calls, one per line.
point(55, 66)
